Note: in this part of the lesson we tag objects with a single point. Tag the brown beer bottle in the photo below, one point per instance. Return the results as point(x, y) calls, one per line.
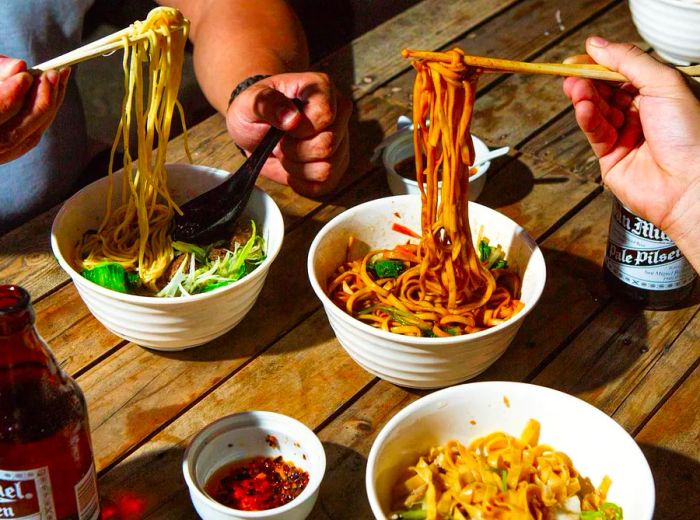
point(46, 465)
point(643, 264)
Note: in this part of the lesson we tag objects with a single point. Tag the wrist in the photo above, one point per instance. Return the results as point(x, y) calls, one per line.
point(682, 225)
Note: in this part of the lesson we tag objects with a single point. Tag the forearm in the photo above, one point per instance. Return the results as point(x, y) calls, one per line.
point(235, 39)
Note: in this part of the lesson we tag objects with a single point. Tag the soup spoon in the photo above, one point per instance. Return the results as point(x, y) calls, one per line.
point(207, 216)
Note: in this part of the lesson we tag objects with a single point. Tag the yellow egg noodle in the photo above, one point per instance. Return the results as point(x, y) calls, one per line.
point(500, 477)
point(136, 234)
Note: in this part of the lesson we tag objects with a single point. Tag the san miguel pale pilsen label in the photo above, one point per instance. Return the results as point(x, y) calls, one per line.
point(642, 255)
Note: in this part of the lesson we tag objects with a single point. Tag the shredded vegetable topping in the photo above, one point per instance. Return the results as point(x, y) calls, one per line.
point(500, 477)
point(198, 273)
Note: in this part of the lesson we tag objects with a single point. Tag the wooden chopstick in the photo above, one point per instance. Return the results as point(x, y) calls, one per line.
point(106, 45)
point(580, 70)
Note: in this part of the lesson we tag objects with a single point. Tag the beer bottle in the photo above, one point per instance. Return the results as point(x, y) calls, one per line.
point(643, 264)
point(46, 465)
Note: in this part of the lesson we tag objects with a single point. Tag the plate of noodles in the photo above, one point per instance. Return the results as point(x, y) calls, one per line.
point(506, 450)
point(168, 323)
point(114, 236)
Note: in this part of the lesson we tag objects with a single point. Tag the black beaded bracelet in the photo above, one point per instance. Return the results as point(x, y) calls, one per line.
point(244, 85)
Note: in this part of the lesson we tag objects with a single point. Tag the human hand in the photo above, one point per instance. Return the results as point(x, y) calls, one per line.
point(28, 105)
point(646, 134)
point(315, 152)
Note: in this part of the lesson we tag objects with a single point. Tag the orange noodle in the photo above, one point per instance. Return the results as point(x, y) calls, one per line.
point(500, 477)
point(443, 288)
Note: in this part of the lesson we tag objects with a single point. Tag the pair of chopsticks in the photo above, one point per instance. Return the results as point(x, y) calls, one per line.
point(110, 43)
point(580, 70)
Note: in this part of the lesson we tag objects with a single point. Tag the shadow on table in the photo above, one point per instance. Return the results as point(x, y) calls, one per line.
point(677, 481)
point(510, 180)
point(143, 485)
point(342, 495)
point(575, 339)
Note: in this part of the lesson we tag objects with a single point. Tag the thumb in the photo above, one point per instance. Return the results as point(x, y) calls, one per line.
point(643, 71)
point(263, 104)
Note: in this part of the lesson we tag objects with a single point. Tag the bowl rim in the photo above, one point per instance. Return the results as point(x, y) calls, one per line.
point(693, 6)
point(315, 447)
point(331, 307)
point(78, 279)
point(401, 136)
point(502, 386)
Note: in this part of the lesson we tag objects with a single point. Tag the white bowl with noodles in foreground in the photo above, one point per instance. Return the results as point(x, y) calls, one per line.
point(420, 362)
point(594, 442)
point(241, 437)
point(166, 323)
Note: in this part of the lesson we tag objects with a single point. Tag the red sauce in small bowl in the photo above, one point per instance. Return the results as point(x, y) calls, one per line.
point(256, 484)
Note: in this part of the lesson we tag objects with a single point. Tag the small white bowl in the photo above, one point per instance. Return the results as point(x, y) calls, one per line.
point(166, 323)
point(672, 27)
point(244, 435)
point(401, 147)
point(411, 361)
point(596, 444)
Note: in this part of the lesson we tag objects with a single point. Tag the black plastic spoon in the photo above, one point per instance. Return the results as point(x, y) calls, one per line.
point(206, 216)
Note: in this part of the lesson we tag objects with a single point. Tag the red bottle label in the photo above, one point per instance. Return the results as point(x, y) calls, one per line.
point(26, 495)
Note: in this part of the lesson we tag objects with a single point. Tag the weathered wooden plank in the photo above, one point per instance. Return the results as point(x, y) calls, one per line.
point(26, 258)
point(671, 443)
point(373, 58)
point(619, 350)
point(74, 335)
point(306, 375)
point(674, 361)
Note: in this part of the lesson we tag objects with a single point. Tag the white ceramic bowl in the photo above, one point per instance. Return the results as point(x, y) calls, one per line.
point(597, 445)
point(166, 323)
point(244, 435)
point(401, 147)
point(672, 27)
point(410, 361)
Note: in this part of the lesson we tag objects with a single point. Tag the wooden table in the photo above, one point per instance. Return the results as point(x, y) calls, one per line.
point(640, 367)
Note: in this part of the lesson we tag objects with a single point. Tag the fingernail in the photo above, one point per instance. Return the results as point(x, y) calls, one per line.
point(597, 41)
point(53, 77)
point(65, 74)
point(286, 115)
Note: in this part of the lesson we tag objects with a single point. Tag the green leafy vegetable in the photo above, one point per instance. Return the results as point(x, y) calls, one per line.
point(607, 511)
point(493, 257)
point(403, 317)
point(387, 268)
point(113, 276)
point(198, 273)
point(484, 250)
point(200, 253)
point(501, 264)
point(504, 480)
point(416, 513)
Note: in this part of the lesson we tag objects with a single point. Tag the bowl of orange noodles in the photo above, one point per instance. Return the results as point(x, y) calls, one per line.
point(427, 360)
point(166, 323)
point(506, 450)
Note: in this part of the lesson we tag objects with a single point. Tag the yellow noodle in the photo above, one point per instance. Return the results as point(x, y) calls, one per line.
point(136, 234)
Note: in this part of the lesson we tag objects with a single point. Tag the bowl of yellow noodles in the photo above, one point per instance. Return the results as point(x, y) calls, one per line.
point(506, 450)
point(167, 323)
point(372, 309)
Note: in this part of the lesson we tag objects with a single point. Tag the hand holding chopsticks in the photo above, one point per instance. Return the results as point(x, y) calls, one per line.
point(579, 70)
point(101, 47)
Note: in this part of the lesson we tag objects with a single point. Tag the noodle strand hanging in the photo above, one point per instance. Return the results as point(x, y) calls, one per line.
point(441, 286)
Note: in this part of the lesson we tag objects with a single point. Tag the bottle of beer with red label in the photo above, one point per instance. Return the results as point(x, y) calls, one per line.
point(643, 264)
point(46, 465)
